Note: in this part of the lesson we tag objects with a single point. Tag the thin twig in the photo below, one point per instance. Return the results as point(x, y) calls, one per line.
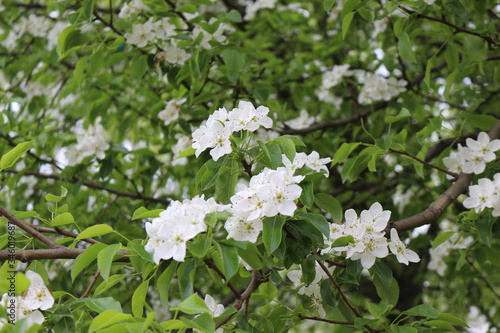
point(91, 285)
point(301, 316)
point(210, 263)
point(453, 174)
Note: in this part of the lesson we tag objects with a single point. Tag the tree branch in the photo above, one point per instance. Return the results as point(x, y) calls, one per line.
point(437, 208)
point(454, 175)
point(95, 186)
point(29, 229)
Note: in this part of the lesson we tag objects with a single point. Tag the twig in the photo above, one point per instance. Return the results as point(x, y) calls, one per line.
point(172, 4)
point(95, 186)
point(335, 263)
point(437, 207)
point(457, 28)
point(58, 253)
point(91, 285)
point(485, 281)
point(108, 24)
point(301, 316)
point(29, 229)
point(453, 174)
point(210, 263)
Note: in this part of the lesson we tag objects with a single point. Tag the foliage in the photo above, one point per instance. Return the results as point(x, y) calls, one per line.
point(161, 158)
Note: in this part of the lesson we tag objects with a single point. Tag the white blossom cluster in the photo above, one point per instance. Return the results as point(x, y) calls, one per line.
point(148, 32)
point(133, 7)
point(302, 121)
point(369, 241)
point(176, 225)
point(171, 111)
point(215, 133)
point(269, 193)
point(207, 37)
point(473, 157)
point(36, 297)
point(378, 88)
point(313, 290)
point(437, 254)
point(486, 194)
point(90, 141)
point(252, 7)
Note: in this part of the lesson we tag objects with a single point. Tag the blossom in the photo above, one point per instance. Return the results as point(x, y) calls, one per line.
point(398, 248)
point(141, 34)
point(480, 196)
point(216, 310)
point(240, 228)
point(171, 111)
point(38, 296)
point(317, 164)
point(302, 121)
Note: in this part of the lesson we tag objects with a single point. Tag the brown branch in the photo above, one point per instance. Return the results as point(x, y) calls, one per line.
point(39, 254)
point(108, 24)
point(95, 186)
point(254, 282)
point(91, 285)
point(335, 263)
point(437, 208)
point(172, 4)
point(29, 229)
point(301, 316)
point(457, 28)
point(335, 123)
point(339, 289)
point(454, 175)
point(210, 263)
point(58, 231)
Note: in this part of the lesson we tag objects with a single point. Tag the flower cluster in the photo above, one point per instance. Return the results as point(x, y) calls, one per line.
point(269, 193)
point(473, 157)
point(149, 31)
point(180, 222)
point(90, 141)
point(302, 121)
point(171, 111)
point(486, 194)
point(313, 290)
point(36, 297)
point(369, 241)
point(377, 88)
point(222, 124)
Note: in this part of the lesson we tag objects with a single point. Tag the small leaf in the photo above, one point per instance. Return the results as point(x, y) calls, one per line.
point(422, 310)
point(190, 151)
point(404, 48)
point(328, 5)
point(346, 23)
point(108, 318)
point(330, 205)
point(13, 155)
point(139, 298)
point(271, 233)
point(95, 230)
point(441, 238)
point(105, 259)
point(192, 305)
point(64, 218)
point(83, 260)
point(404, 113)
point(143, 213)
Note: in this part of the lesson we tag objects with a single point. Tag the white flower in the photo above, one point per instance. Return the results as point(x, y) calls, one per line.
point(302, 121)
point(216, 310)
point(141, 34)
point(480, 196)
point(171, 111)
point(397, 247)
point(375, 247)
point(38, 296)
point(334, 76)
point(375, 218)
point(317, 164)
point(240, 228)
point(18, 308)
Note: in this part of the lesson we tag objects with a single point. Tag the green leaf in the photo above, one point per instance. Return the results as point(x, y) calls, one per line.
point(317, 221)
point(328, 5)
point(271, 233)
point(199, 246)
point(482, 121)
point(192, 305)
point(105, 259)
point(234, 63)
point(227, 180)
point(484, 229)
point(83, 260)
point(139, 66)
point(64, 218)
point(108, 318)
point(229, 259)
point(112, 281)
point(442, 325)
point(404, 48)
point(307, 195)
point(139, 298)
point(144, 213)
point(344, 151)
point(346, 23)
point(404, 113)
point(14, 154)
point(441, 238)
point(348, 6)
point(330, 205)
point(403, 329)
point(342, 241)
point(452, 319)
point(234, 16)
point(95, 230)
point(190, 151)
point(386, 286)
point(163, 282)
point(422, 310)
